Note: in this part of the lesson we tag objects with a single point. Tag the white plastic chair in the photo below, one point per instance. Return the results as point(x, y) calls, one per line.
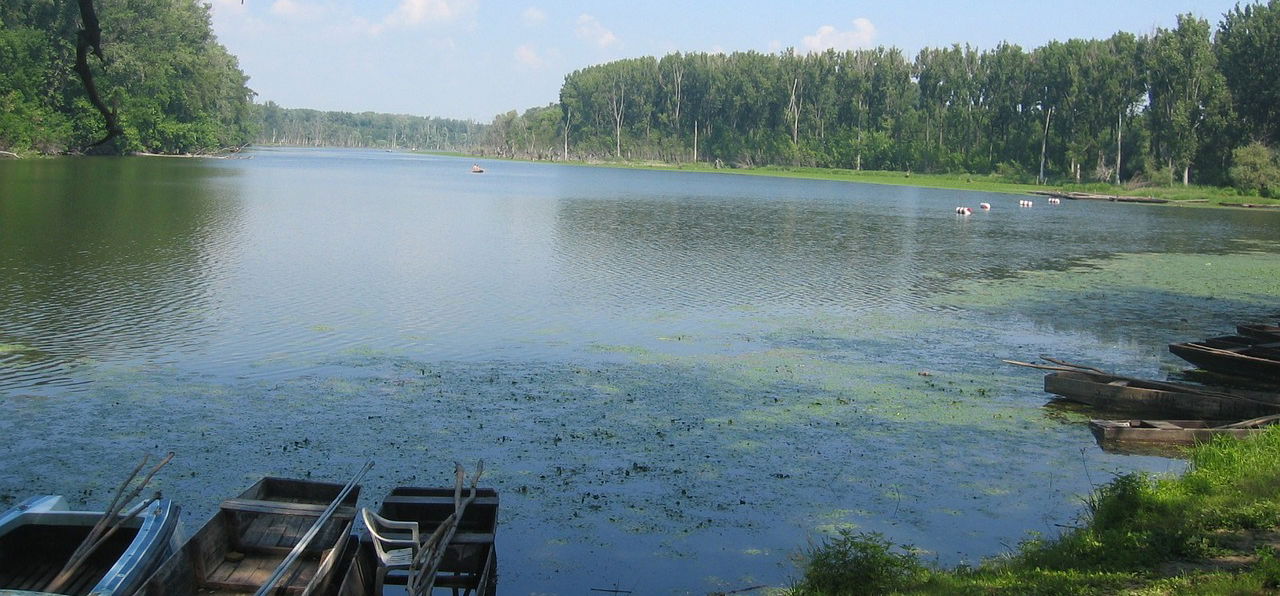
point(395, 552)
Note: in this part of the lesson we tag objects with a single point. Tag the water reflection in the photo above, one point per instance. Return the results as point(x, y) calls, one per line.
point(107, 260)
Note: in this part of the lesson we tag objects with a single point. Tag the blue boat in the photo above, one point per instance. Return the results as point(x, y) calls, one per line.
point(39, 535)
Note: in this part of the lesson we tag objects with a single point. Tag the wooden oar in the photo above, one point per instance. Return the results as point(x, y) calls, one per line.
point(1253, 422)
point(1071, 364)
point(311, 533)
point(1233, 352)
point(430, 556)
point(110, 522)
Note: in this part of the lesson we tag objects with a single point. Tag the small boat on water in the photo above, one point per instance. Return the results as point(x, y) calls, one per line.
point(1175, 432)
point(1259, 361)
point(1159, 398)
point(40, 534)
point(476, 169)
point(393, 540)
point(250, 536)
point(1262, 333)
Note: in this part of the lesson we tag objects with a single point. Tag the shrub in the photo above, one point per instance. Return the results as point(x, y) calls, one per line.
point(858, 563)
point(1255, 170)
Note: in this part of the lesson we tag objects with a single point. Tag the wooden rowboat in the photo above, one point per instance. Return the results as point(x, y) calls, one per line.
point(237, 550)
point(1174, 432)
point(1263, 333)
point(1159, 398)
point(39, 535)
point(470, 562)
point(1259, 362)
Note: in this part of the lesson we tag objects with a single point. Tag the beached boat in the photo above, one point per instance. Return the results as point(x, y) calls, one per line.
point(1263, 333)
point(469, 565)
point(1159, 398)
point(1253, 361)
point(240, 548)
point(39, 535)
point(1174, 432)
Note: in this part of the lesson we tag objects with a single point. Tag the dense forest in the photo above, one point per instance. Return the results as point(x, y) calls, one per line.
point(172, 87)
point(311, 128)
point(1179, 105)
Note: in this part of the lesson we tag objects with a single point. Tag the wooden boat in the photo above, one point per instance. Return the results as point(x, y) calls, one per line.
point(1240, 341)
point(1263, 333)
point(1254, 361)
point(1158, 398)
point(1174, 432)
point(470, 561)
point(39, 535)
point(237, 550)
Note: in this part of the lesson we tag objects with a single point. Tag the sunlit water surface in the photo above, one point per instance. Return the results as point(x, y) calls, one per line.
point(677, 381)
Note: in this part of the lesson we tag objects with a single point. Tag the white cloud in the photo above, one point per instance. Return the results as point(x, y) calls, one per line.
point(417, 12)
point(533, 16)
point(295, 9)
point(591, 30)
point(528, 56)
point(828, 37)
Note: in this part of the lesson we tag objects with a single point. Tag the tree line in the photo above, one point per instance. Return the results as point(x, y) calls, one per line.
point(170, 85)
point(1175, 105)
point(312, 128)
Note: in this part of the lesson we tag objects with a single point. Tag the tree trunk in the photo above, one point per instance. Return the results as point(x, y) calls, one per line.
point(794, 108)
point(1044, 140)
point(89, 39)
point(695, 141)
point(1186, 175)
point(568, 118)
point(1119, 129)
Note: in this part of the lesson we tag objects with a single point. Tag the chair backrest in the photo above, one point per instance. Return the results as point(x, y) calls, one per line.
point(378, 527)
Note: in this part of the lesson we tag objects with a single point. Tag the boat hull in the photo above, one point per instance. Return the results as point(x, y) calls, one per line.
point(1165, 432)
point(1152, 398)
point(239, 548)
point(470, 562)
point(39, 535)
point(1243, 361)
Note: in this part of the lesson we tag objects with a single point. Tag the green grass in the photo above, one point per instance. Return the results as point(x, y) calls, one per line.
point(1188, 195)
point(1137, 533)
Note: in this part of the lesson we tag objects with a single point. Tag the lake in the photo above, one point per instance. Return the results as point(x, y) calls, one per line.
point(678, 381)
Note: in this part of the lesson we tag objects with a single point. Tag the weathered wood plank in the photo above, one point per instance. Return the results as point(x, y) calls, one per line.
point(279, 508)
point(440, 501)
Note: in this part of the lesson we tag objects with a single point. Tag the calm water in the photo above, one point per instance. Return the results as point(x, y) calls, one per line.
point(677, 380)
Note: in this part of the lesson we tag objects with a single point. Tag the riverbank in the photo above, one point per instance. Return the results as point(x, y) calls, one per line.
point(1215, 529)
point(1201, 196)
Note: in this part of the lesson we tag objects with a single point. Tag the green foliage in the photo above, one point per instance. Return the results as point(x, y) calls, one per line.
point(298, 127)
point(175, 88)
point(1256, 170)
point(1248, 48)
point(858, 563)
point(1156, 109)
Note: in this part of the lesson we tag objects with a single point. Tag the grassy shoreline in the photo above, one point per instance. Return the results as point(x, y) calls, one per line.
point(1202, 196)
point(1214, 529)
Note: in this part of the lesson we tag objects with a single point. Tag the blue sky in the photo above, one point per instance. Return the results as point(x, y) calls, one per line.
point(477, 58)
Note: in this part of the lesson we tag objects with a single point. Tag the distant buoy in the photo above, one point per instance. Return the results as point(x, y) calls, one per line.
point(964, 211)
point(985, 206)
